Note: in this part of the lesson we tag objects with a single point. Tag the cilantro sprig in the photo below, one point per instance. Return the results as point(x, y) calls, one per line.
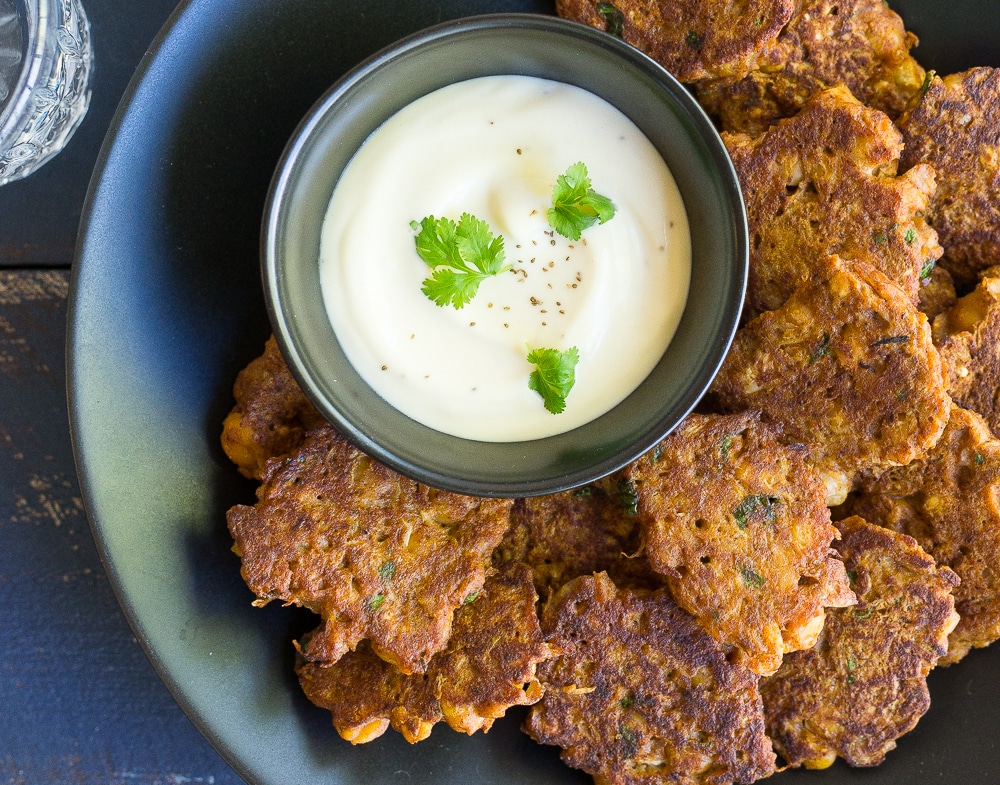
point(461, 256)
point(554, 375)
point(575, 205)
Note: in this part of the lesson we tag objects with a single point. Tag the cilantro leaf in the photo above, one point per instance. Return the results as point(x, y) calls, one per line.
point(446, 286)
point(436, 241)
point(461, 256)
point(575, 205)
point(554, 375)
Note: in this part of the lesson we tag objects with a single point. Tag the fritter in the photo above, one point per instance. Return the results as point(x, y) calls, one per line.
point(968, 338)
point(564, 535)
point(950, 503)
point(488, 666)
point(271, 415)
point(377, 555)
point(846, 366)
point(864, 683)
point(824, 182)
point(738, 524)
point(937, 291)
point(860, 44)
point(693, 39)
point(956, 128)
point(639, 693)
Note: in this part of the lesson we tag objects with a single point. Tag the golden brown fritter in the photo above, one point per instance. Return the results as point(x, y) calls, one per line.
point(950, 503)
point(565, 535)
point(271, 414)
point(693, 39)
point(641, 694)
point(968, 339)
point(937, 291)
point(488, 666)
point(846, 366)
point(377, 555)
point(860, 44)
point(956, 128)
point(864, 683)
point(824, 182)
point(738, 524)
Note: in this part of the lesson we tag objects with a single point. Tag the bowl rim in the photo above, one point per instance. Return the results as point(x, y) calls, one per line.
point(513, 484)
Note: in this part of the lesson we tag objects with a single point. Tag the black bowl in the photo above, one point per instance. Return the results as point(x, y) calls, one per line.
point(517, 44)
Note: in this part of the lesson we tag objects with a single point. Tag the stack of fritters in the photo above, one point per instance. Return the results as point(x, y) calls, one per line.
point(845, 366)
point(639, 693)
point(383, 560)
point(864, 683)
point(861, 44)
point(377, 556)
point(950, 503)
point(824, 182)
point(737, 523)
point(487, 666)
point(417, 627)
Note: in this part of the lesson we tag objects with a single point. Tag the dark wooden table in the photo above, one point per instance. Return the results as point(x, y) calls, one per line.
point(79, 701)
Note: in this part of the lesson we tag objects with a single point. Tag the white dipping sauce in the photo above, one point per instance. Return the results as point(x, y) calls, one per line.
point(493, 147)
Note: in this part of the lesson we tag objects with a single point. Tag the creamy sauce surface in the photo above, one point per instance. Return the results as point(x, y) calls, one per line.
point(493, 147)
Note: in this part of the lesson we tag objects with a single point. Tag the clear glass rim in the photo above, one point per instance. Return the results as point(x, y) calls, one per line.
point(38, 54)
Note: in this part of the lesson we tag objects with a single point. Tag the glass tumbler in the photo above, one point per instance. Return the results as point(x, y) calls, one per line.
point(45, 66)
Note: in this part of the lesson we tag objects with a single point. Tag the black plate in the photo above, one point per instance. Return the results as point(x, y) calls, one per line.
point(167, 307)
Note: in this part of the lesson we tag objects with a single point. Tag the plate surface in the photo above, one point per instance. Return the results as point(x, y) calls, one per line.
point(167, 306)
